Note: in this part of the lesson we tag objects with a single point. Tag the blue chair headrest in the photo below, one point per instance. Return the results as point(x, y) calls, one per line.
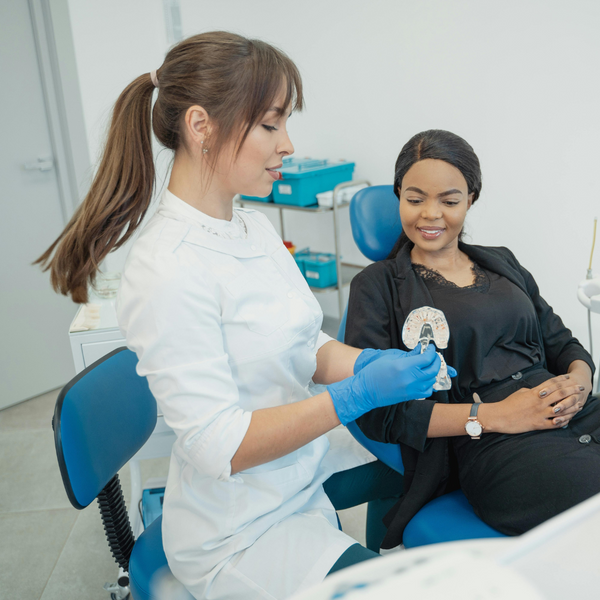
point(102, 418)
point(375, 220)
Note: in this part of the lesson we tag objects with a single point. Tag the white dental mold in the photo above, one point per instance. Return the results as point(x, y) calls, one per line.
point(422, 326)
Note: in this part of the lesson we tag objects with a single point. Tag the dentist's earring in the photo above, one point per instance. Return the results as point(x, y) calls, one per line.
point(204, 150)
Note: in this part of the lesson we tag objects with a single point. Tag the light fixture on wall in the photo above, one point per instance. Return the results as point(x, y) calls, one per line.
point(173, 21)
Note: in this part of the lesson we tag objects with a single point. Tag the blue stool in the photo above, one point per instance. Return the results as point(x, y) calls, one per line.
point(102, 418)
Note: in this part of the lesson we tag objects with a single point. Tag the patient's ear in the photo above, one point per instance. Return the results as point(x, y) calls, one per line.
point(470, 200)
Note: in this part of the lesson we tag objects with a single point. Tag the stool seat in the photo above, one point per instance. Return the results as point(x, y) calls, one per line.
point(147, 558)
point(448, 518)
point(148, 562)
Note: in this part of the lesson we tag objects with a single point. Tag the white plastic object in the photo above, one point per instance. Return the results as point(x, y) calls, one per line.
point(325, 199)
point(588, 294)
point(422, 326)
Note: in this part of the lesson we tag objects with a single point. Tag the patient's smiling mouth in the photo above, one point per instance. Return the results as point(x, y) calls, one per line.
point(431, 233)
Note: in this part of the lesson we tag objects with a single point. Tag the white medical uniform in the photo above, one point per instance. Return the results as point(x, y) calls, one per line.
point(223, 323)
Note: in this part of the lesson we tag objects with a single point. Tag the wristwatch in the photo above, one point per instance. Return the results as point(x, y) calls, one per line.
point(473, 427)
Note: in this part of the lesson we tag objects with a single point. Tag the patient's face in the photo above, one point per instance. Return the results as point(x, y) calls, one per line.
point(434, 200)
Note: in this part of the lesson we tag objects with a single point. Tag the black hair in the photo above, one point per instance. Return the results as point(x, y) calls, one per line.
point(440, 145)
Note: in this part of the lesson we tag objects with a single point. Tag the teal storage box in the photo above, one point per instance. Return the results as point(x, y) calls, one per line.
point(287, 161)
point(300, 262)
point(152, 504)
point(299, 257)
point(303, 181)
point(319, 269)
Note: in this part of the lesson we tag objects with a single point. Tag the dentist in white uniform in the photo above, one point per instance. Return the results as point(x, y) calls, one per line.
point(224, 325)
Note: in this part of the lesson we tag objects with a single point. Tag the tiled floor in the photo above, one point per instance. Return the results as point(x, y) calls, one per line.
point(48, 550)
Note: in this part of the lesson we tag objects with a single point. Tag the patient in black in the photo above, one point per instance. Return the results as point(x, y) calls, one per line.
point(540, 450)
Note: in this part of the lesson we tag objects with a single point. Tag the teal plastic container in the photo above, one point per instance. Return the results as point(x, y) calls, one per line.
point(299, 261)
point(152, 505)
point(299, 257)
point(287, 161)
point(317, 267)
point(302, 182)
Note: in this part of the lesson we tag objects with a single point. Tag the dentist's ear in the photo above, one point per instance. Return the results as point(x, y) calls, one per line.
point(197, 125)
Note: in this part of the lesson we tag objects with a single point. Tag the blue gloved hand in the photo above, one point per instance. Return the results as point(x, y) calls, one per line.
point(368, 355)
point(388, 380)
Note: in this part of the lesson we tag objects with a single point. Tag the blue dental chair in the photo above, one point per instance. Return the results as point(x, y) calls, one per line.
point(102, 418)
point(376, 226)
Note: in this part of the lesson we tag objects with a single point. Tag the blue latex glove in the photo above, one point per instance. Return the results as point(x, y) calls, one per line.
point(388, 380)
point(368, 355)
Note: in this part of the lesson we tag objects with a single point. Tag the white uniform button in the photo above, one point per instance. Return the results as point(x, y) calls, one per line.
point(517, 375)
point(290, 294)
point(253, 247)
point(309, 344)
point(585, 439)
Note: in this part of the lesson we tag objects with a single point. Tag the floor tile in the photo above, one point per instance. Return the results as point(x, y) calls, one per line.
point(85, 564)
point(31, 414)
point(31, 545)
point(29, 474)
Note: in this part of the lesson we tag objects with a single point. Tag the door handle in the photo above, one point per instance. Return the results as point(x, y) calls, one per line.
point(45, 163)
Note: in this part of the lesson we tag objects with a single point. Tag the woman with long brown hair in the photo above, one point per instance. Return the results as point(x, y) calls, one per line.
point(226, 329)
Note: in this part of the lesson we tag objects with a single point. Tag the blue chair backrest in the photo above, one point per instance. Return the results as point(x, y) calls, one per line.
point(376, 227)
point(102, 418)
point(375, 220)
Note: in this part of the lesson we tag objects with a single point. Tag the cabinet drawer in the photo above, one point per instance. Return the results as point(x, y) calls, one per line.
point(95, 350)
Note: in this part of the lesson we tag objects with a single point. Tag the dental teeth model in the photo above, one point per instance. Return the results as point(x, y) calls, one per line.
point(422, 326)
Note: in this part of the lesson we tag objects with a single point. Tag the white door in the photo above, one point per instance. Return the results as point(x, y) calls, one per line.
point(34, 347)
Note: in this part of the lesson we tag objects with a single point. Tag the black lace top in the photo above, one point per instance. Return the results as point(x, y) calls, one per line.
point(481, 281)
point(493, 328)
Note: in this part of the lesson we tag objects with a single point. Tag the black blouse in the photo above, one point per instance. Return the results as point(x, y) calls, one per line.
point(493, 328)
point(384, 293)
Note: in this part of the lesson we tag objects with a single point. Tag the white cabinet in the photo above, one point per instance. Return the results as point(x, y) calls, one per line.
point(90, 345)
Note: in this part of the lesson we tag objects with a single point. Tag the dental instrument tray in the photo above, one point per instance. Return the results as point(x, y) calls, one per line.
point(302, 181)
point(422, 326)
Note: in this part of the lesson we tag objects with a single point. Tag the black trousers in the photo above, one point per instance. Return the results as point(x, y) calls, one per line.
point(515, 482)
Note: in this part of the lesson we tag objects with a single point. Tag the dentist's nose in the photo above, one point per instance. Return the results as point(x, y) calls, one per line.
point(285, 147)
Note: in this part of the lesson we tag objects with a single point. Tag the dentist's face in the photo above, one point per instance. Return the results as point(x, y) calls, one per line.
point(434, 201)
point(251, 172)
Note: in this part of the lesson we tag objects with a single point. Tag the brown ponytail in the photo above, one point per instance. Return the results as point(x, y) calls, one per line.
point(235, 79)
point(118, 197)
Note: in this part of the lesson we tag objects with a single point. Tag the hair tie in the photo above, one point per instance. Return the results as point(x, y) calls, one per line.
point(154, 78)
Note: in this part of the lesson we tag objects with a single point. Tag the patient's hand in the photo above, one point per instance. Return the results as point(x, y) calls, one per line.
point(536, 408)
point(566, 406)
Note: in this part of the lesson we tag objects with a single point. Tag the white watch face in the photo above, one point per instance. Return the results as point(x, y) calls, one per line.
point(473, 428)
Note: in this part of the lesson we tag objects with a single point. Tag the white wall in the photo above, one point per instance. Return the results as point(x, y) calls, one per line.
point(517, 79)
